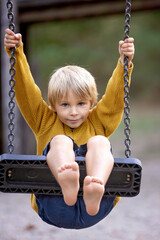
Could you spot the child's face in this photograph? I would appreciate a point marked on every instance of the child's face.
(72, 110)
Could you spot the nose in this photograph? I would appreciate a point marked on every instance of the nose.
(73, 111)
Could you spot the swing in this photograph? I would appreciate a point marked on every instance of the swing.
(30, 173)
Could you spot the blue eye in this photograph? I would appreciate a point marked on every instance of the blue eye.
(64, 104)
(81, 103)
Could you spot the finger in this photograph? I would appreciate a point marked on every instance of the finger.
(11, 41)
(129, 40)
(10, 45)
(121, 43)
(128, 53)
(130, 56)
(9, 37)
(18, 36)
(10, 32)
(128, 49)
(125, 45)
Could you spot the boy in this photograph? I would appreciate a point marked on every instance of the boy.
(72, 126)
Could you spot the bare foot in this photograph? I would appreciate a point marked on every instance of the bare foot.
(68, 178)
(93, 190)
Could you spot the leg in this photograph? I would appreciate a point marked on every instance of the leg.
(61, 161)
(99, 164)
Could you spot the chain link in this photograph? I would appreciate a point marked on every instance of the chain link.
(126, 84)
(12, 71)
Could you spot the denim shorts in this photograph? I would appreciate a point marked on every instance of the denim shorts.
(53, 210)
(79, 151)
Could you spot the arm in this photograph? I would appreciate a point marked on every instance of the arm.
(28, 95)
(109, 111)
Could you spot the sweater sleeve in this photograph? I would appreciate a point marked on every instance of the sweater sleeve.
(109, 110)
(28, 95)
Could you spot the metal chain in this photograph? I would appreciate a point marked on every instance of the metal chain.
(126, 83)
(11, 105)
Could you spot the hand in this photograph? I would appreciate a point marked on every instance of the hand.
(11, 39)
(126, 48)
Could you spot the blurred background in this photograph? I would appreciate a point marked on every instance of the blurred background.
(92, 42)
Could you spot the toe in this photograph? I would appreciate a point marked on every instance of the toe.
(87, 180)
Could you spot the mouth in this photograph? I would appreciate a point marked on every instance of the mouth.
(74, 120)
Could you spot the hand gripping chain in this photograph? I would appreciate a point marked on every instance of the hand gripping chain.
(126, 83)
(11, 105)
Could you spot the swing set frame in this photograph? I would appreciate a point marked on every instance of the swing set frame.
(30, 173)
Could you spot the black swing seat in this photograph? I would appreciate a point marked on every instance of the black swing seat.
(30, 174)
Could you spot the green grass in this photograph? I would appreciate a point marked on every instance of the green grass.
(144, 122)
(93, 44)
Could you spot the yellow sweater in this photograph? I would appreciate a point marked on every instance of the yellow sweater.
(103, 119)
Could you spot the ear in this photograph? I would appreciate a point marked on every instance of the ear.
(53, 109)
(91, 105)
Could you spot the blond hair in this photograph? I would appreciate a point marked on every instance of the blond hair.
(74, 78)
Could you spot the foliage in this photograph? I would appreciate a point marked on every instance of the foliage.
(93, 44)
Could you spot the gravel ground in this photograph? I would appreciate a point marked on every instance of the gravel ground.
(133, 218)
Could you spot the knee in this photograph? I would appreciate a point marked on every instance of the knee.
(61, 141)
(59, 144)
(98, 142)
